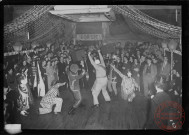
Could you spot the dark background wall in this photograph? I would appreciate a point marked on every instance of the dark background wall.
(165, 15)
(8, 14)
(13, 11)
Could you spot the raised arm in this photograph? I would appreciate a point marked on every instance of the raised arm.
(91, 60)
(101, 58)
(117, 71)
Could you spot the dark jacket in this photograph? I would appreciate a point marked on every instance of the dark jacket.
(158, 99)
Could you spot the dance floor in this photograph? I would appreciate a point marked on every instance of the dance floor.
(117, 114)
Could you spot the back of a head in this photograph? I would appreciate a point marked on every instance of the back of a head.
(160, 82)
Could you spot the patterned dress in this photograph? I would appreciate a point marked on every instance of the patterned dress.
(25, 99)
(127, 88)
(55, 74)
(136, 73)
(48, 100)
(50, 76)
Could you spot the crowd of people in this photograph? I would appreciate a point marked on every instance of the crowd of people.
(120, 73)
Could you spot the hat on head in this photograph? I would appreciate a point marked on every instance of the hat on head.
(74, 68)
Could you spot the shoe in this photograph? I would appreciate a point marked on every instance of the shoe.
(108, 101)
(55, 112)
(95, 106)
(71, 111)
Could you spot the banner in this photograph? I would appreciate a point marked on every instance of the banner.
(84, 37)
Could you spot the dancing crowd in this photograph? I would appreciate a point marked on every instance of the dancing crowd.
(120, 73)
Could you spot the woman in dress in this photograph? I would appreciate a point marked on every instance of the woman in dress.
(25, 96)
(50, 74)
(128, 85)
(44, 76)
(56, 70)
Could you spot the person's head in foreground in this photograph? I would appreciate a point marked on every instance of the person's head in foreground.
(160, 84)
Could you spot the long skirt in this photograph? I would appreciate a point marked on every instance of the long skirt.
(50, 80)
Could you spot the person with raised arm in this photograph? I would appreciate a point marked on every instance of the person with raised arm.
(51, 99)
(128, 85)
(101, 79)
(25, 98)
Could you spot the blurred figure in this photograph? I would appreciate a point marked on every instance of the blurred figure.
(74, 85)
(128, 85)
(34, 78)
(112, 81)
(50, 74)
(44, 76)
(142, 64)
(160, 97)
(165, 69)
(25, 98)
(62, 71)
(11, 78)
(149, 75)
(135, 72)
(126, 65)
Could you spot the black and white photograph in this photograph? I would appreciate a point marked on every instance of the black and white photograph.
(93, 67)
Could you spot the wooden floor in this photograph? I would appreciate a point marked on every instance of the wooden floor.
(117, 114)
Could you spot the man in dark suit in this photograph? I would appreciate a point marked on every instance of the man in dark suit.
(149, 75)
(160, 97)
(62, 72)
